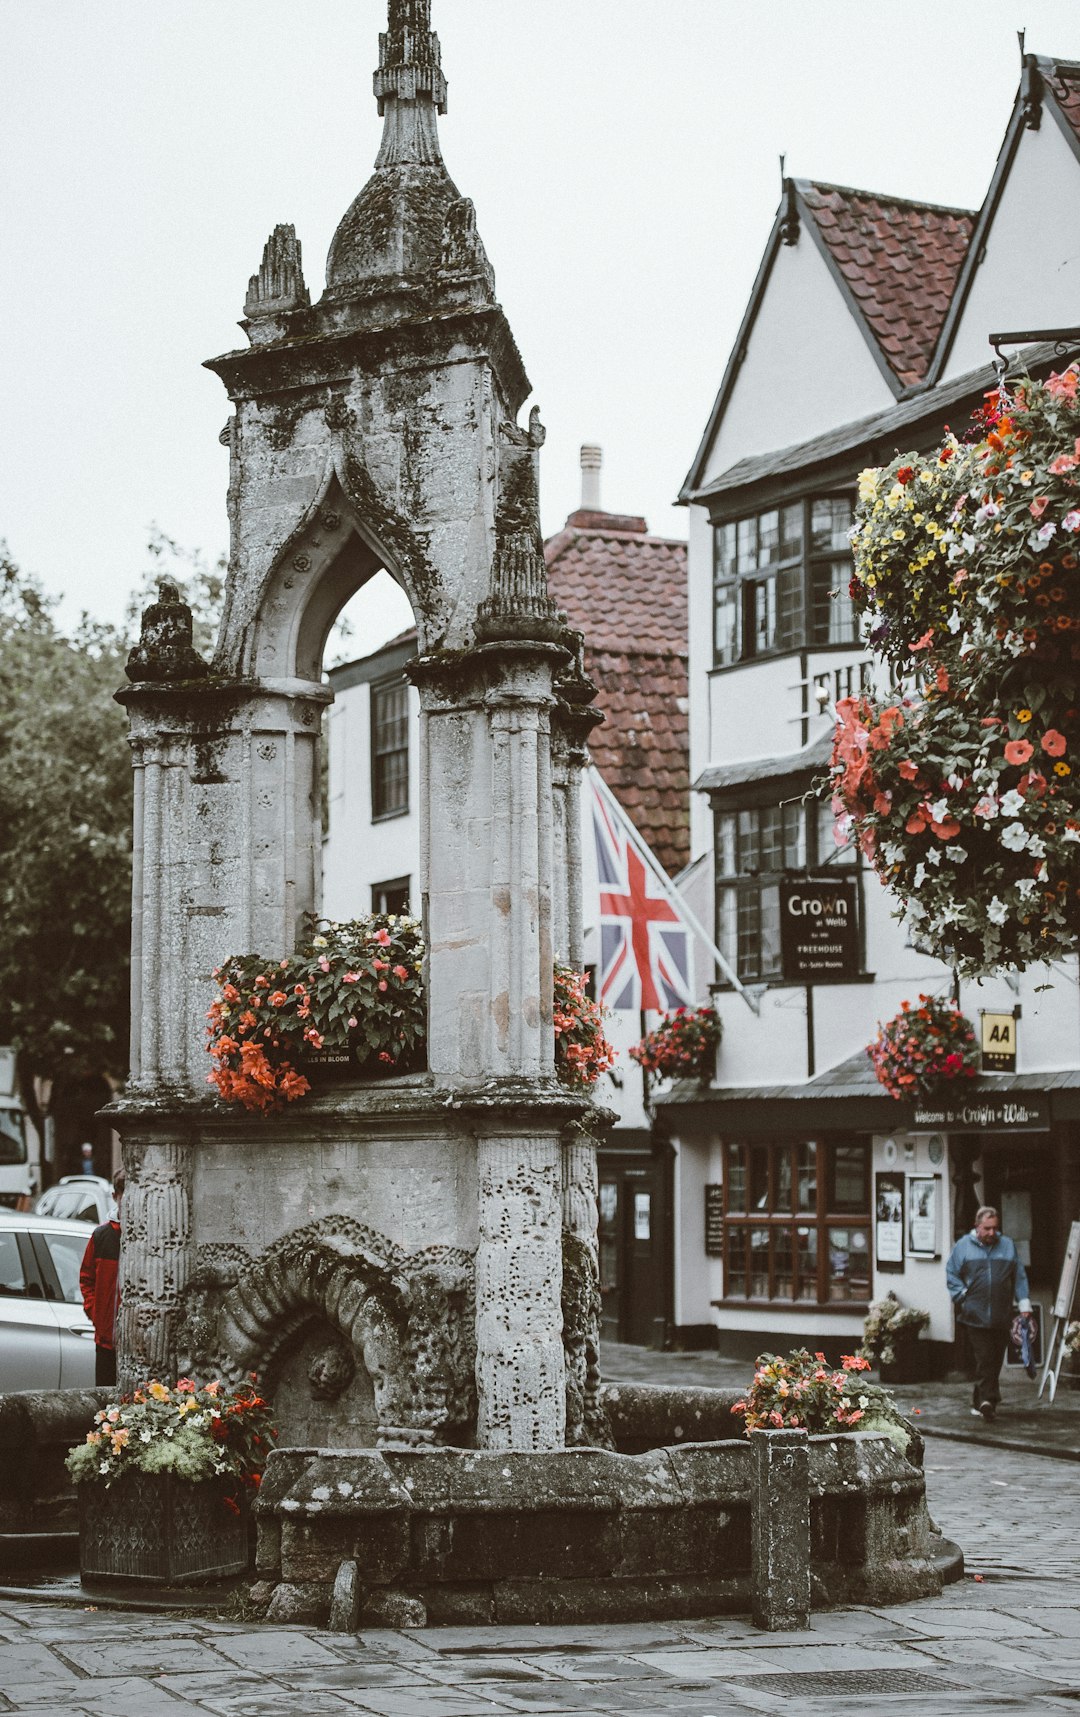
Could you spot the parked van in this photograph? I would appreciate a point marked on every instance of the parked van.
(18, 1180)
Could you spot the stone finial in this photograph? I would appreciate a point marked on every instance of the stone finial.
(165, 651)
(410, 86)
(279, 284)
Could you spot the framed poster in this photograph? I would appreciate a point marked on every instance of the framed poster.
(714, 1220)
(923, 1200)
(889, 1221)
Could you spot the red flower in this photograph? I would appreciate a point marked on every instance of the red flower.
(1054, 743)
(1019, 751)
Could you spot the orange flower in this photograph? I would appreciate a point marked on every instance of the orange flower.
(1019, 751)
(1054, 743)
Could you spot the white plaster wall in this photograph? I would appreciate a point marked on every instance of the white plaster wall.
(356, 851)
(922, 1281)
(1030, 275)
(698, 1279)
(699, 561)
(807, 364)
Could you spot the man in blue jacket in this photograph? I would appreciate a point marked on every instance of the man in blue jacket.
(985, 1277)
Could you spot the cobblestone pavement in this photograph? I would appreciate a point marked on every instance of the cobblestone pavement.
(1007, 1637)
(941, 1409)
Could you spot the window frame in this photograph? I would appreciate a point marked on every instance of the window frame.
(395, 885)
(380, 812)
(742, 587)
(822, 1219)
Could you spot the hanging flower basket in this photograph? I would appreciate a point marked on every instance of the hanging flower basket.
(923, 1048)
(349, 1001)
(582, 1052)
(682, 1046)
(964, 791)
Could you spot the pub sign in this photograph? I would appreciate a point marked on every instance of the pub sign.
(998, 1043)
(819, 930)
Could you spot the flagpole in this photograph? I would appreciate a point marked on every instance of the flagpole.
(671, 891)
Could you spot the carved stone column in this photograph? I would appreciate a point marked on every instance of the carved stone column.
(519, 1355)
(156, 1257)
(585, 1421)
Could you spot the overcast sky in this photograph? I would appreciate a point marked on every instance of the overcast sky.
(622, 155)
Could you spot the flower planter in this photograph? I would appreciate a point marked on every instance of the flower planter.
(155, 1528)
(912, 1362)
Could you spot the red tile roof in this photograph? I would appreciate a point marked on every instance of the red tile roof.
(900, 261)
(626, 591)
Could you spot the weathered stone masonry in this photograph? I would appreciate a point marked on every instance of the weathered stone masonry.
(376, 427)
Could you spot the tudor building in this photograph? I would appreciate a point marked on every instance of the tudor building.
(802, 1189)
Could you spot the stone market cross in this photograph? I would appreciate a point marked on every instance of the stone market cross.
(410, 1262)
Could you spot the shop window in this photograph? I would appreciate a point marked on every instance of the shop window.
(390, 748)
(780, 580)
(797, 1220)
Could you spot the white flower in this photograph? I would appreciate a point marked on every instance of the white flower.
(954, 621)
(988, 510)
(957, 854)
(1070, 834)
(1012, 803)
(997, 911)
(144, 1437)
(1014, 836)
(1036, 846)
(934, 856)
(1045, 532)
(103, 1467)
(1026, 887)
(1071, 521)
(918, 879)
(939, 810)
(986, 807)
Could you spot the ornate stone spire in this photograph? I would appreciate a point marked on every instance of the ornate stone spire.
(410, 86)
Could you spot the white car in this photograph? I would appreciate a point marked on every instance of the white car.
(46, 1338)
(82, 1197)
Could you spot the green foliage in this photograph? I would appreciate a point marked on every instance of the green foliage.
(65, 838)
(196, 1432)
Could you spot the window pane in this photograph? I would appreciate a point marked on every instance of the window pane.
(724, 548)
(764, 616)
(768, 539)
(746, 545)
(749, 932)
(736, 1177)
(66, 1252)
(832, 620)
(725, 844)
(727, 924)
(735, 1263)
(771, 844)
(12, 1278)
(827, 850)
(759, 1263)
(849, 1187)
(12, 1136)
(830, 522)
(806, 1256)
(806, 1176)
(769, 931)
(389, 749)
(759, 1177)
(794, 857)
(749, 855)
(791, 532)
(727, 637)
(782, 1178)
(783, 1265)
(608, 1234)
(789, 604)
(849, 1264)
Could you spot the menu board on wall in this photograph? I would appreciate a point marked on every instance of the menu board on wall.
(714, 1221)
(923, 1200)
(889, 1221)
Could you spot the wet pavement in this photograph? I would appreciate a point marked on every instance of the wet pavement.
(1005, 1638)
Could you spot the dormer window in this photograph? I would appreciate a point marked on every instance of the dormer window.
(781, 580)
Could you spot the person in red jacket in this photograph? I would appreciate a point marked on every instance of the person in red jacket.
(98, 1281)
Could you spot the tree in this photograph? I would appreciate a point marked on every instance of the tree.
(65, 842)
(65, 833)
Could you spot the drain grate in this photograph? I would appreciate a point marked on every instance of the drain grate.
(843, 1683)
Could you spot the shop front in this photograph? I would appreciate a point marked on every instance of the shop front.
(799, 1205)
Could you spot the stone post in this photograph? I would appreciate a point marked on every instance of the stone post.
(519, 1355)
(156, 1258)
(780, 1530)
(585, 1420)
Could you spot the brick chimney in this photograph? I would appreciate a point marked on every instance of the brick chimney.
(589, 516)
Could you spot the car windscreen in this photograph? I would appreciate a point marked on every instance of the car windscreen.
(12, 1136)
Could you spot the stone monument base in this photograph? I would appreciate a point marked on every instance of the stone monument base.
(456, 1536)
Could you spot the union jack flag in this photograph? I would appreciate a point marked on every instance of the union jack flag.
(644, 940)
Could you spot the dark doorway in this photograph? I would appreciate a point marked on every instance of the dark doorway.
(634, 1246)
